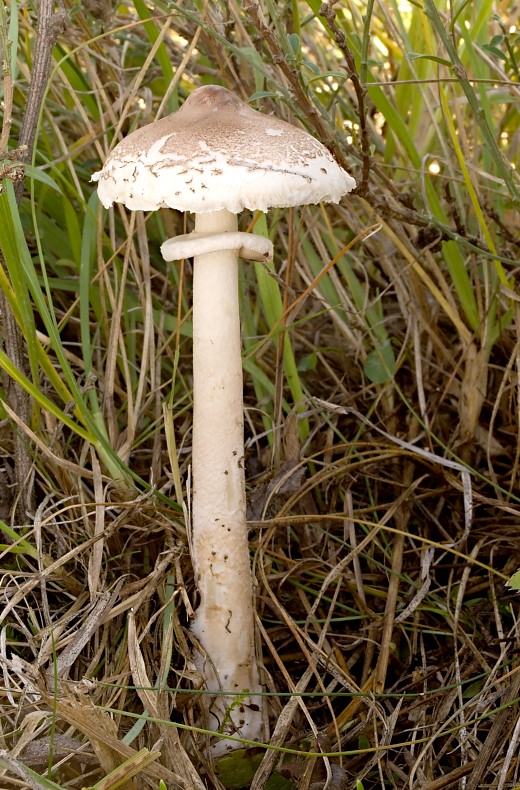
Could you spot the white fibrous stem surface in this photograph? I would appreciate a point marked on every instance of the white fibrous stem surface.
(224, 620)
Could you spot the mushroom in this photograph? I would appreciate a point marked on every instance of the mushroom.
(215, 157)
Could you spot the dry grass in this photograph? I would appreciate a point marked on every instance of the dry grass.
(381, 409)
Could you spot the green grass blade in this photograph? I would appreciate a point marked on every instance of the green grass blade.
(9, 245)
(272, 305)
(503, 167)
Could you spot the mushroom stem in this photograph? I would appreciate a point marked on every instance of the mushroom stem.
(224, 620)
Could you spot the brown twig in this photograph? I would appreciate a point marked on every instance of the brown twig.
(256, 17)
(50, 24)
(328, 13)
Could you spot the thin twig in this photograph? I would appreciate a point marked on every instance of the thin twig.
(359, 85)
(256, 17)
(50, 24)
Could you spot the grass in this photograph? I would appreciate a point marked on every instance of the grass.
(381, 391)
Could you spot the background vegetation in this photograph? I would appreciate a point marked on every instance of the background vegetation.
(382, 375)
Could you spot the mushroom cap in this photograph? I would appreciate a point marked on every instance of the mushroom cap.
(217, 153)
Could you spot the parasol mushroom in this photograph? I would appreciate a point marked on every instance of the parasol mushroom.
(215, 157)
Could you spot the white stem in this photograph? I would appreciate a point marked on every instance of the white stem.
(224, 621)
